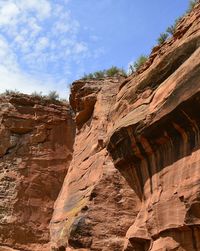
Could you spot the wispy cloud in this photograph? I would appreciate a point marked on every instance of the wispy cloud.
(13, 77)
(39, 40)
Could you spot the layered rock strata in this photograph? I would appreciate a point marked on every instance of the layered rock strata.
(155, 143)
(36, 139)
(95, 207)
(133, 182)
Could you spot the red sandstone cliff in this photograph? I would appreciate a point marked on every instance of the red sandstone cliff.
(155, 143)
(133, 180)
(36, 139)
(94, 208)
(150, 126)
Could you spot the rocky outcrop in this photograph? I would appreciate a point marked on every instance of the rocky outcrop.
(95, 206)
(133, 180)
(36, 139)
(155, 143)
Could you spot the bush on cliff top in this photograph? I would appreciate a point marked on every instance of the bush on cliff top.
(137, 64)
(162, 38)
(98, 74)
(11, 92)
(53, 95)
(192, 4)
(142, 59)
(111, 72)
(37, 94)
(172, 29)
(133, 67)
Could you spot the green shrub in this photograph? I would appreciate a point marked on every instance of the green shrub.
(162, 38)
(95, 75)
(111, 72)
(37, 94)
(114, 71)
(87, 76)
(191, 6)
(137, 64)
(99, 74)
(11, 92)
(171, 29)
(53, 95)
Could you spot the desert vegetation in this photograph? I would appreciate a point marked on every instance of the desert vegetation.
(111, 72)
(170, 31)
(192, 4)
(11, 92)
(52, 95)
(137, 64)
(162, 38)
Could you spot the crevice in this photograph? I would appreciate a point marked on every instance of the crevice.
(194, 242)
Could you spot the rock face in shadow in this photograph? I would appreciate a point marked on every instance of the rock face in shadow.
(36, 139)
(155, 143)
(95, 206)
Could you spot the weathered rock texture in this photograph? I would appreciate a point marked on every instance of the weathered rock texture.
(133, 183)
(95, 207)
(155, 143)
(36, 139)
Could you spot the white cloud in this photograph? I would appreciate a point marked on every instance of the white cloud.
(42, 8)
(13, 12)
(7, 57)
(36, 25)
(42, 44)
(8, 13)
(98, 52)
(12, 77)
(79, 48)
(39, 41)
(94, 38)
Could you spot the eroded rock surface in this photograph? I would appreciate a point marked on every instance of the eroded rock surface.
(133, 182)
(155, 143)
(36, 139)
(96, 206)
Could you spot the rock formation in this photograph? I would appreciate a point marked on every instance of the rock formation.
(36, 139)
(95, 206)
(132, 182)
(155, 143)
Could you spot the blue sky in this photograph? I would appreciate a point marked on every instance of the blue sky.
(47, 44)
